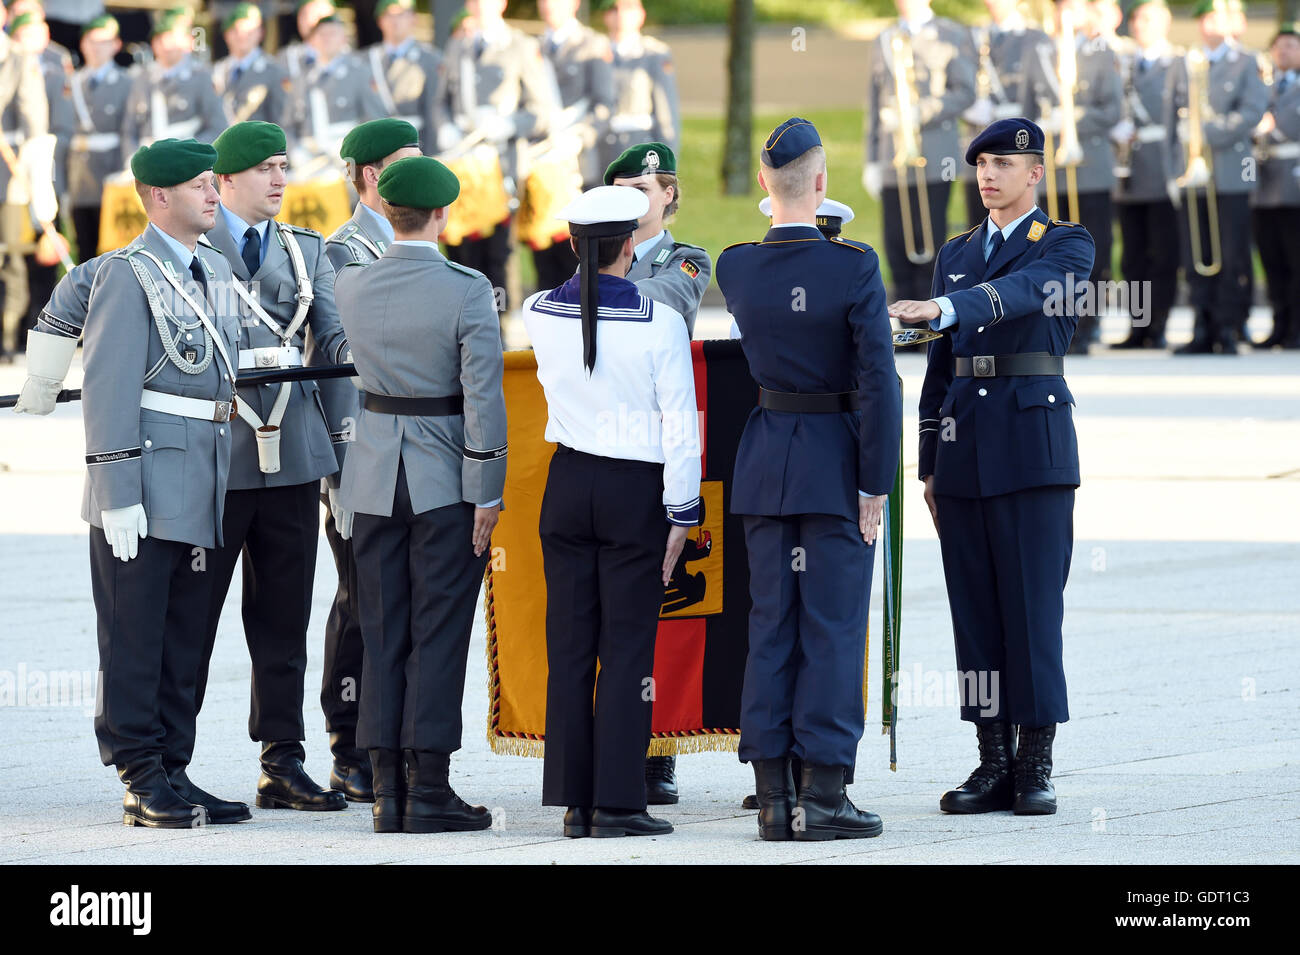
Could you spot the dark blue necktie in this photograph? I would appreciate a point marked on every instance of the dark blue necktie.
(998, 239)
(196, 270)
(252, 254)
(1283, 83)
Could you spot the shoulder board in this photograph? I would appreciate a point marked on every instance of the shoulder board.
(736, 245)
(686, 245)
(850, 243)
(463, 268)
(965, 235)
(303, 230)
(1062, 222)
(344, 232)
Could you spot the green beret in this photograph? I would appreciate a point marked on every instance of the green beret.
(170, 22)
(332, 18)
(1206, 7)
(372, 141)
(383, 6)
(23, 20)
(241, 11)
(102, 22)
(461, 16)
(171, 161)
(244, 145)
(642, 160)
(418, 182)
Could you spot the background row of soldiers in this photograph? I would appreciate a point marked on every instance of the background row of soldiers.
(573, 99)
(1133, 122)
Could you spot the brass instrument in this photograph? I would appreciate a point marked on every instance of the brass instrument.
(907, 151)
(1199, 173)
(1070, 153)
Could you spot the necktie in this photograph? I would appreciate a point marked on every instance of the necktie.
(235, 74)
(201, 280)
(1283, 83)
(998, 239)
(252, 254)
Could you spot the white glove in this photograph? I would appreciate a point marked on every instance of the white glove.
(449, 135)
(48, 360)
(342, 516)
(887, 118)
(1123, 131)
(873, 179)
(494, 126)
(980, 112)
(123, 528)
(1175, 194)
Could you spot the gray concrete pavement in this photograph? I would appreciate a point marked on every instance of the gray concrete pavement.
(1182, 653)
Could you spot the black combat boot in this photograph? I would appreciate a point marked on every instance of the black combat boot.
(1035, 794)
(991, 787)
(775, 795)
(661, 780)
(824, 810)
(151, 801)
(284, 784)
(389, 789)
(431, 805)
(351, 774)
(220, 811)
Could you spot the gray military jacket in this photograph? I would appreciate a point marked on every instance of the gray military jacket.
(674, 274)
(582, 64)
(944, 70)
(1010, 53)
(24, 110)
(1279, 151)
(349, 99)
(1144, 106)
(421, 327)
(410, 82)
(188, 107)
(646, 108)
(56, 64)
(95, 152)
(306, 451)
(175, 466)
(1238, 99)
(257, 93)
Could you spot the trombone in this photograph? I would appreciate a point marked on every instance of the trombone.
(1199, 173)
(907, 151)
(1070, 153)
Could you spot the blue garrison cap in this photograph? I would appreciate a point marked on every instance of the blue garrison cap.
(791, 140)
(1006, 137)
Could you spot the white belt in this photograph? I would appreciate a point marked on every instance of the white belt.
(1153, 133)
(273, 356)
(96, 142)
(1282, 151)
(198, 408)
(631, 122)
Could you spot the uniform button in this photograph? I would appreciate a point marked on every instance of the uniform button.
(980, 329)
(984, 392)
(1051, 397)
(148, 443)
(189, 336)
(221, 431)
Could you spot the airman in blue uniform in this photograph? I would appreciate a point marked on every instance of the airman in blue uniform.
(1000, 463)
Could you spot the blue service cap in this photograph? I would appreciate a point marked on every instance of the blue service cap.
(789, 141)
(1006, 137)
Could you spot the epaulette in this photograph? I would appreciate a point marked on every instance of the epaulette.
(1062, 222)
(965, 235)
(860, 246)
(303, 230)
(686, 245)
(735, 245)
(344, 232)
(465, 268)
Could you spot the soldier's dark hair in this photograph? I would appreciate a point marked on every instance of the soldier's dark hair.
(406, 219)
(607, 249)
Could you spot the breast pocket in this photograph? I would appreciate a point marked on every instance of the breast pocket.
(1047, 426)
(162, 468)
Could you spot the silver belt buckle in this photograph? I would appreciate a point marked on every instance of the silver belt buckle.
(269, 358)
(221, 411)
(984, 366)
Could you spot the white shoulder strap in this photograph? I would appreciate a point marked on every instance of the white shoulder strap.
(381, 80)
(305, 293)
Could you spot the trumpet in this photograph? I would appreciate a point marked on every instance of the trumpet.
(907, 151)
(1199, 173)
(1070, 153)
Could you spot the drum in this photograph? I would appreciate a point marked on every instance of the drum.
(121, 217)
(483, 203)
(550, 186)
(321, 203)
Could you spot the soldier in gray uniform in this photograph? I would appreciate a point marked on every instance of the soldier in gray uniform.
(424, 482)
(250, 83)
(1276, 200)
(1234, 99)
(173, 97)
(335, 93)
(1147, 217)
(406, 73)
(1098, 94)
(99, 91)
(937, 74)
(24, 113)
(362, 239)
(282, 449)
(160, 362)
(500, 91)
(646, 104)
(298, 57)
(1004, 48)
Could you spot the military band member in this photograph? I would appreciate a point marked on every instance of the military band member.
(363, 238)
(500, 91)
(646, 104)
(98, 91)
(299, 57)
(1005, 49)
(282, 449)
(173, 97)
(915, 140)
(1000, 463)
(614, 515)
(251, 84)
(160, 362)
(334, 94)
(424, 482)
(1147, 217)
(406, 73)
(815, 461)
(1098, 93)
(1276, 200)
(1233, 100)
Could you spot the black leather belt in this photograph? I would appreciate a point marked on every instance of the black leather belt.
(1007, 366)
(423, 407)
(807, 404)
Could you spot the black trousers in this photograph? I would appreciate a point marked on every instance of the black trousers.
(603, 538)
(274, 529)
(1096, 214)
(555, 265)
(489, 257)
(1148, 256)
(913, 280)
(85, 226)
(1221, 301)
(149, 648)
(418, 586)
(344, 650)
(1278, 239)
